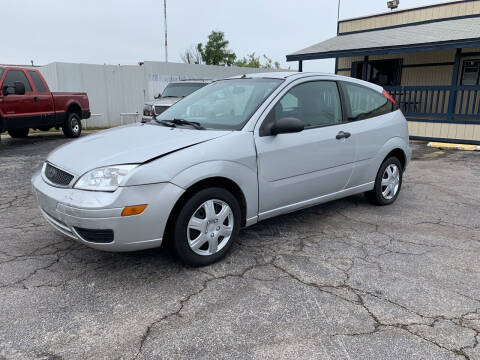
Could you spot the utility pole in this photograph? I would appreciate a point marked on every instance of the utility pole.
(338, 12)
(165, 20)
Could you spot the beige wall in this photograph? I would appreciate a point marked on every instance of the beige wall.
(434, 75)
(445, 131)
(441, 10)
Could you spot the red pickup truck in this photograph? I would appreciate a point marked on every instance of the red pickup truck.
(27, 103)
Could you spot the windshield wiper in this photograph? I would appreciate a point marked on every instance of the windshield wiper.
(161, 122)
(194, 124)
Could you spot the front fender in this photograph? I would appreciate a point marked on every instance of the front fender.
(240, 174)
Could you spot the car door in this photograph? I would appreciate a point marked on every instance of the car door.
(19, 110)
(44, 109)
(298, 169)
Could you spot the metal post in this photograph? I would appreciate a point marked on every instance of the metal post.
(453, 94)
(365, 68)
(165, 20)
(300, 65)
(338, 30)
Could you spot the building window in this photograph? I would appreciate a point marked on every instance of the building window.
(381, 72)
(470, 72)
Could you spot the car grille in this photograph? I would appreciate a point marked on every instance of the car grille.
(95, 235)
(57, 176)
(160, 109)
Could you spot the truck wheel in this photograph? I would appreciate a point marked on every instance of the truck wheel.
(72, 128)
(18, 133)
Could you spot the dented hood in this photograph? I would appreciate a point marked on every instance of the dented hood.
(132, 144)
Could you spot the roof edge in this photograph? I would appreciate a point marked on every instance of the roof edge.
(395, 49)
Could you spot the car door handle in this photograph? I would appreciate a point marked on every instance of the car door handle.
(35, 99)
(343, 135)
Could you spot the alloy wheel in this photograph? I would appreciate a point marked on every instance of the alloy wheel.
(210, 227)
(390, 181)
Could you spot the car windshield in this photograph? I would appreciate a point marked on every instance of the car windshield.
(181, 90)
(1, 72)
(226, 104)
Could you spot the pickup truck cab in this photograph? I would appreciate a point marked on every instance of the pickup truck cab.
(27, 103)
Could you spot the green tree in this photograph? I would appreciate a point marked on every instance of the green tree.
(254, 61)
(215, 51)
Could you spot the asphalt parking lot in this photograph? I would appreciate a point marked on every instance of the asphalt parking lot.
(344, 280)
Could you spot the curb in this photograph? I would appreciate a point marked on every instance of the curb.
(465, 147)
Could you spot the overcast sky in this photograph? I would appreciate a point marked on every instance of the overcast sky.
(129, 31)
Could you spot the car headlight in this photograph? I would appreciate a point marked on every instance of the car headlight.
(107, 178)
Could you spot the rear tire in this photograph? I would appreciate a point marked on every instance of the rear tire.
(18, 133)
(72, 128)
(216, 213)
(387, 183)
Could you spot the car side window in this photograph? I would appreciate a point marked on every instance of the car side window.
(16, 75)
(315, 103)
(365, 103)
(37, 81)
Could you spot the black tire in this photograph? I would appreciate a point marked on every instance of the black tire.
(179, 234)
(376, 196)
(18, 133)
(72, 128)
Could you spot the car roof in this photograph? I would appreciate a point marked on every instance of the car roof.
(192, 81)
(267, 75)
(17, 67)
(291, 76)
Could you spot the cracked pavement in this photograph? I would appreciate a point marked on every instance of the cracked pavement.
(343, 280)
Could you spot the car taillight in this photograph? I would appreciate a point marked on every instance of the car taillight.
(389, 97)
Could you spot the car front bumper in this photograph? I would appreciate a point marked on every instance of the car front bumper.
(68, 210)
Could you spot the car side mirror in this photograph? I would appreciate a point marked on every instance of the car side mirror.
(158, 96)
(287, 125)
(19, 88)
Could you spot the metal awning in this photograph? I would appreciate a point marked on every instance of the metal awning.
(446, 34)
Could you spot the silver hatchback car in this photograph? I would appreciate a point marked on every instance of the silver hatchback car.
(231, 154)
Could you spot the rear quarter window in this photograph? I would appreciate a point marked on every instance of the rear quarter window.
(365, 103)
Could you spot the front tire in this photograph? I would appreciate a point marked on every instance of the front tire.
(387, 183)
(206, 226)
(18, 133)
(72, 128)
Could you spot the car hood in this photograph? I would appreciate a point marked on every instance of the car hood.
(168, 101)
(131, 144)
